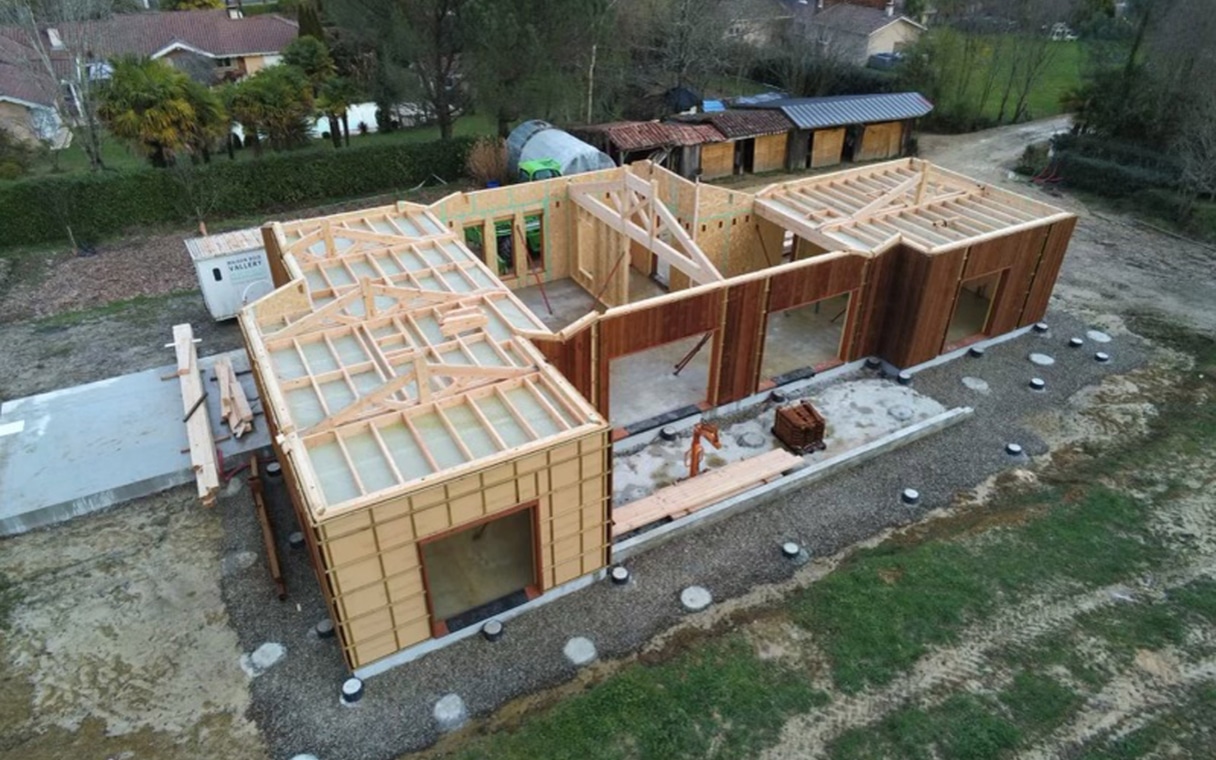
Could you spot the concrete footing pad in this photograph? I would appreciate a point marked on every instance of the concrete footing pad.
(450, 713)
(696, 598)
(580, 650)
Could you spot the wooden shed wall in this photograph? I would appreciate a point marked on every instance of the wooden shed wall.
(770, 153)
(370, 558)
(885, 140)
(717, 160)
(827, 147)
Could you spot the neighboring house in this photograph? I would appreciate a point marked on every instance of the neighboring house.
(221, 43)
(853, 33)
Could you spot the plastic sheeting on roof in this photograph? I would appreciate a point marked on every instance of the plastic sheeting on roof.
(757, 99)
(538, 139)
(817, 113)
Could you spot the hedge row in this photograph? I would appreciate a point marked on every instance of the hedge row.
(97, 205)
(1109, 178)
(1115, 151)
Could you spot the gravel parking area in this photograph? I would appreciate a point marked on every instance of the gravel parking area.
(296, 702)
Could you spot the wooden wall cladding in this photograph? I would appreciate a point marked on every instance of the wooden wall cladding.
(884, 140)
(370, 557)
(1048, 270)
(827, 147)
(742, 340)
(1017, 256)
(573, 357)
(919, 312)
(875, 301)
(770, 153)
(815, 282)
(661, 323)
(717, 160)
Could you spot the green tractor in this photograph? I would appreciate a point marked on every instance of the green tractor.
(540, 168)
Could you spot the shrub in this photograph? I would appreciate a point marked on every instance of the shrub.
(488, 161)
(1033, 159)
(96, 205)
(1108, 178)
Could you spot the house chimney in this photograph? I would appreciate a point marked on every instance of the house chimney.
(890, 8)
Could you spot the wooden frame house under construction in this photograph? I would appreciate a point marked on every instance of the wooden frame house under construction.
(448, 453)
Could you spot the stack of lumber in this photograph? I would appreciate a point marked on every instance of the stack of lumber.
(705, 490)
(234, 405)
(198, 426)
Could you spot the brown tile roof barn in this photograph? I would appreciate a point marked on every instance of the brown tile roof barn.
(742, 124)
(642, 135)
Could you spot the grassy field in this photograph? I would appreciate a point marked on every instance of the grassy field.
(119, 155)
(1014, 603)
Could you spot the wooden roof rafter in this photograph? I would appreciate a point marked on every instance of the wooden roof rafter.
(632, 195)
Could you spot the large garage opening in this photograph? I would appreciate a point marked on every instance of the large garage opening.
(973, 309)
(478, 572)
(804, 339)
(651, 383)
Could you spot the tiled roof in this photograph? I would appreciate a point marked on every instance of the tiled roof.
(643, 135)
(18, 84)
(841, 110)
(211, 31)
(739, 124)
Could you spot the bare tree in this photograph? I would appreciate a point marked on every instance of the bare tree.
(61, 41)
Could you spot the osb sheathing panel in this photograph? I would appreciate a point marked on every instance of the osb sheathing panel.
(770, 244)
(916, 322)
(816, 282)
(742, 338)
(717, 160)
(770, 153)
(880, 141)
(482, 208)
(1048, 270)
(371, 557)
(827, 147)
(602, 266)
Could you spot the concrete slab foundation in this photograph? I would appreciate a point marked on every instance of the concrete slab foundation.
(77, 450)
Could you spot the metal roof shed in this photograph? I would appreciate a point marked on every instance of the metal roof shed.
(845, 110)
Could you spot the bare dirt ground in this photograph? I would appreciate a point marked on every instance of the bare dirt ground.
(115, 642)
(67, 319)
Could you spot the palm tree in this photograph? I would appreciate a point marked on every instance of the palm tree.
(156, 107)
(335, 99)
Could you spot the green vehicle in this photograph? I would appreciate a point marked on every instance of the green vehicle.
(504, 243)
(540, 168)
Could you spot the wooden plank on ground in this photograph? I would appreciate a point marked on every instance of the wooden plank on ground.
(234, 404)
(702, 491)
(198, 425)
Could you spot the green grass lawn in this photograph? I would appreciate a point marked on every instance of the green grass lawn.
(119, 155)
